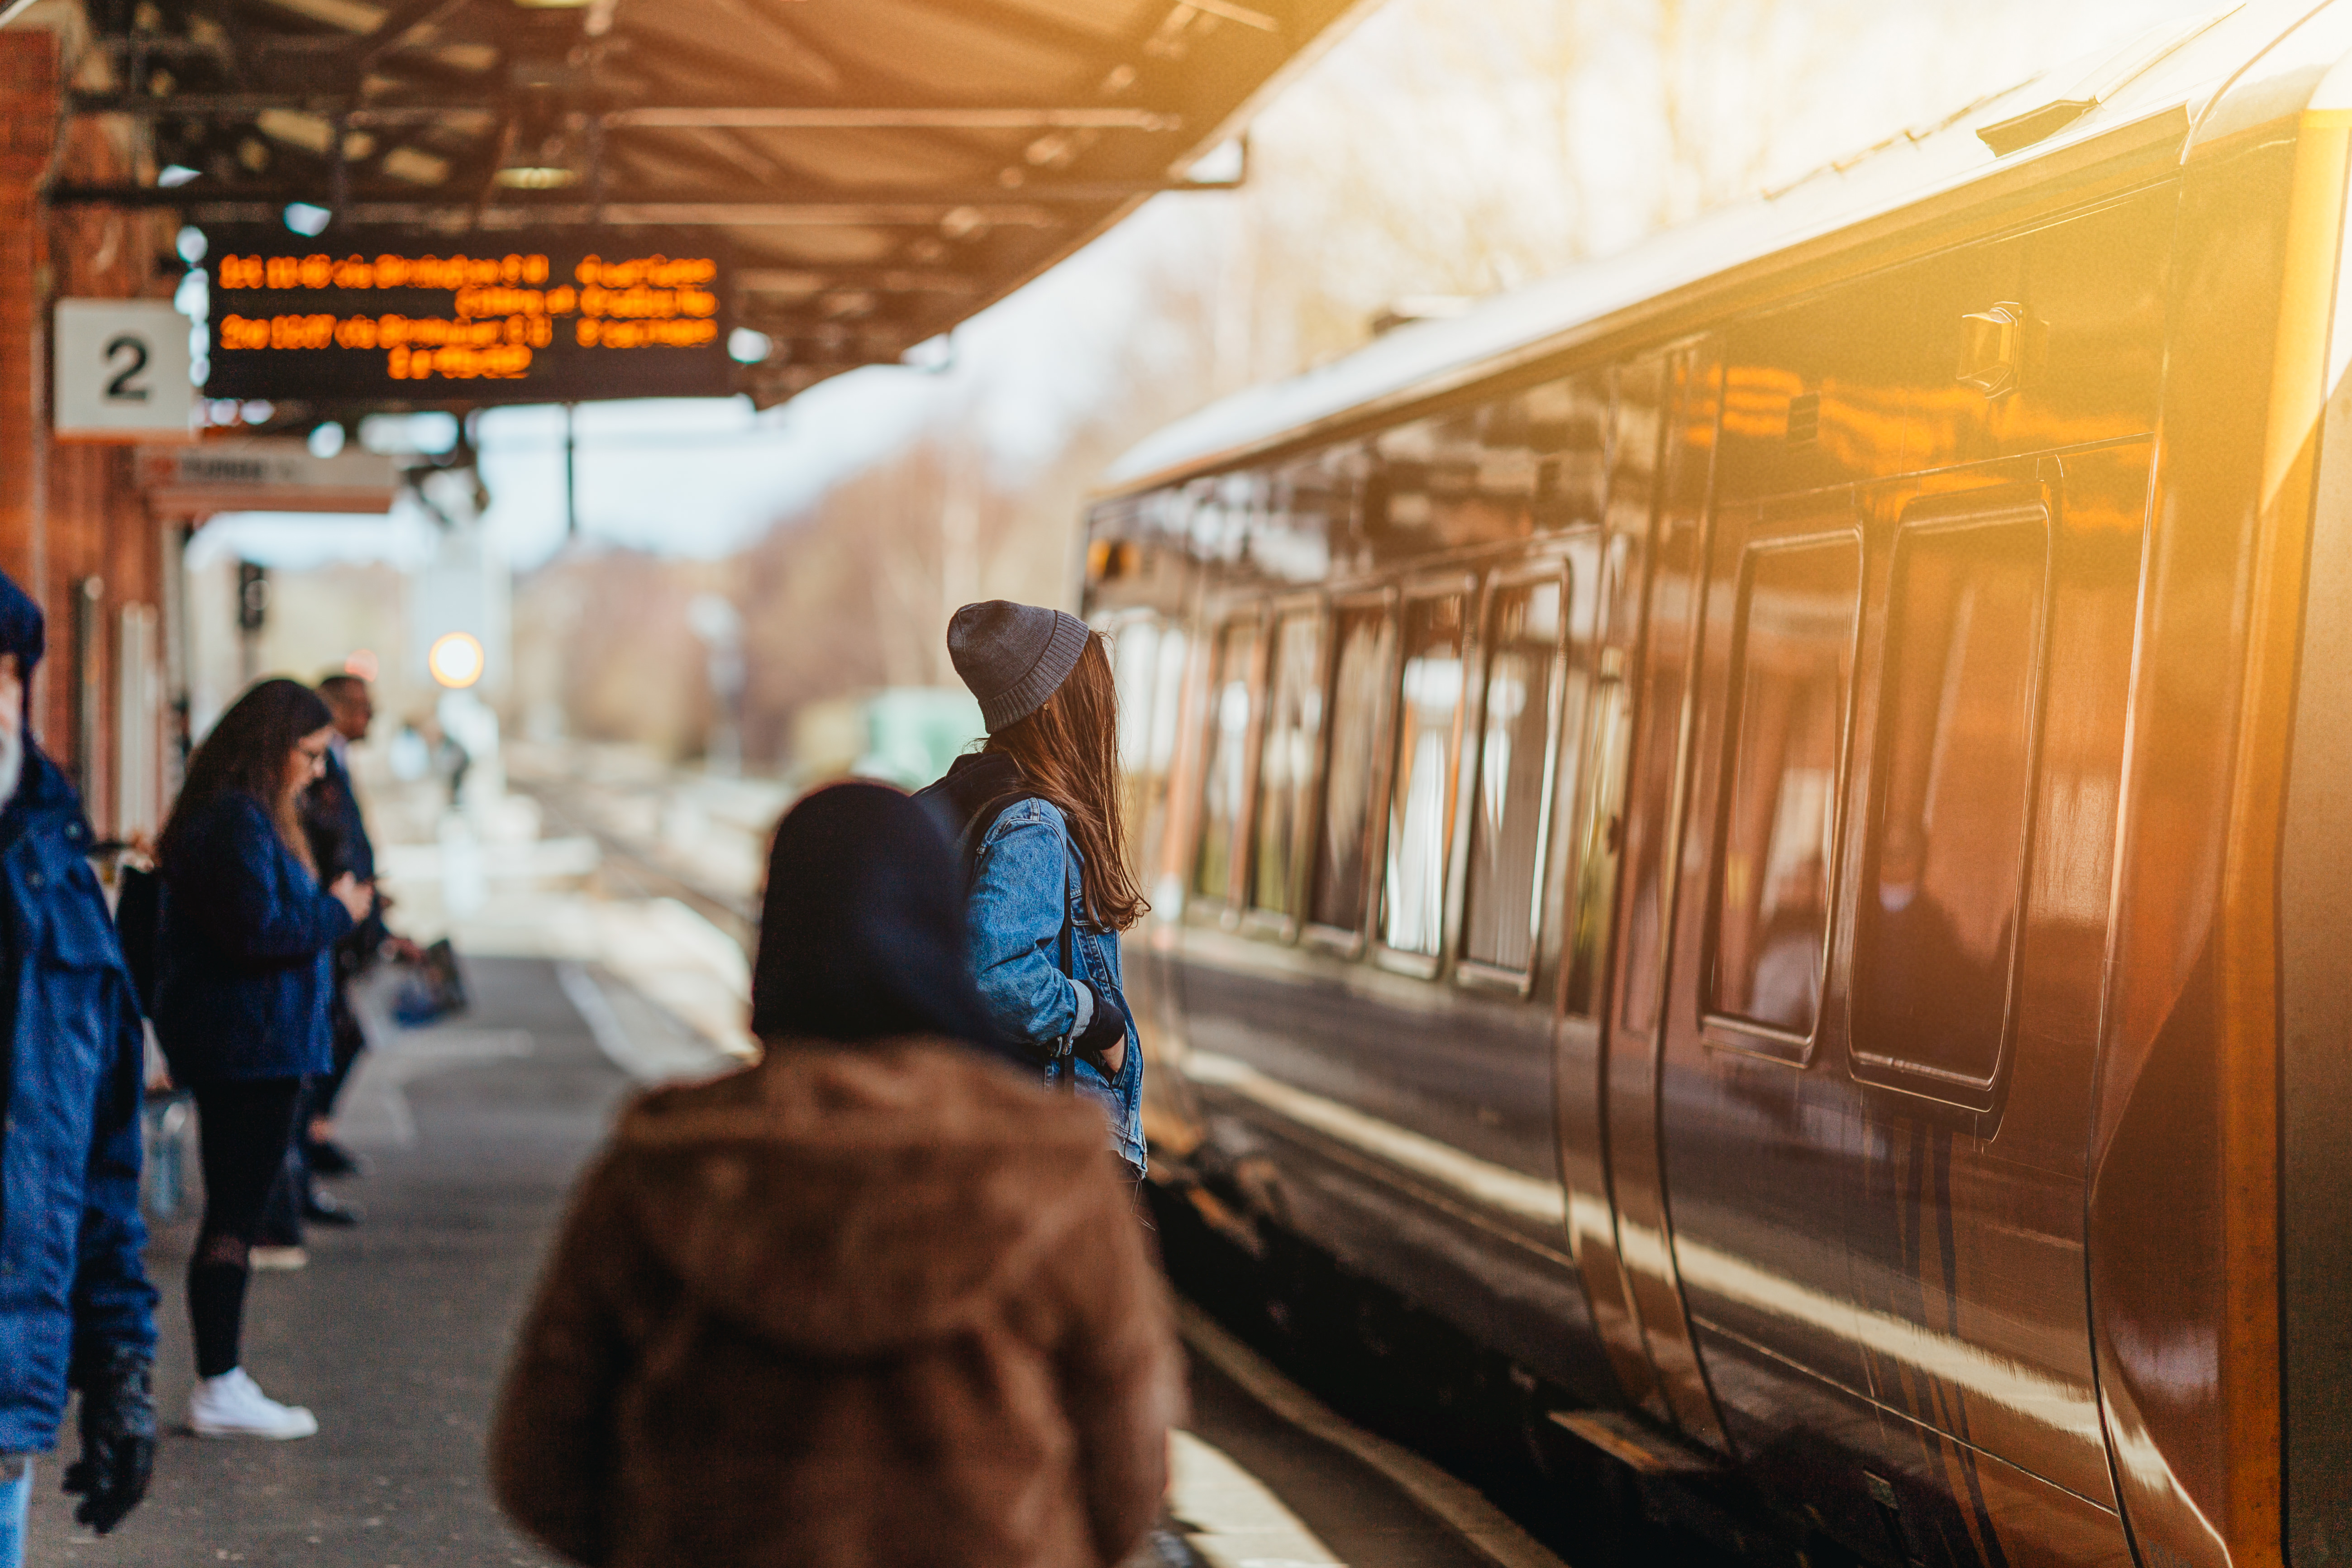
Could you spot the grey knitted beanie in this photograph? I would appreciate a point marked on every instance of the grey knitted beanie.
(1013, 657)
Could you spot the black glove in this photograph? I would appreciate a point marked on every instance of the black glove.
(118, 1439)
(1105, 1036)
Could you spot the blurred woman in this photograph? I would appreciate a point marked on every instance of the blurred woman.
(875, 1301)
(1045, 852)
(242, 986)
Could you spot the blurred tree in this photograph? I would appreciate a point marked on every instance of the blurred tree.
(611, 650)
(1439, 150)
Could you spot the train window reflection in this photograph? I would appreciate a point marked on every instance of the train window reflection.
(1947, 844)
(1611, 741)
(1794, 666)
(1147, 668)
(1507, 816)
(1294, 728)
(1360, 720)
(1428, 756)
(1226, 765)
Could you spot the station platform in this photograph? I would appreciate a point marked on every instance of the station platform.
(397, 1333)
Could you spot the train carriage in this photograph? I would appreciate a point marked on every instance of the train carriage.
(1764, 826)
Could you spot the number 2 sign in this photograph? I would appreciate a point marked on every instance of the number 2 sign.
(121, 371)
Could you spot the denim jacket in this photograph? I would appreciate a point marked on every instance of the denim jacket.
(1027, 878)
(72, 1289)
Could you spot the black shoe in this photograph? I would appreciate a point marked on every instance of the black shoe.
(325, 1209)
(328, 1158)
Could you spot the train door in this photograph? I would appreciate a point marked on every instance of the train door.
(1761, 1128)
(1150, 654)
(1636, 439)
(1877, 1156)
(1676, 1386)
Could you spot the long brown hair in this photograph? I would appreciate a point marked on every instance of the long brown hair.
(247, 755)
(1068, 753)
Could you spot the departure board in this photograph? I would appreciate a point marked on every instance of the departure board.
(390, 316)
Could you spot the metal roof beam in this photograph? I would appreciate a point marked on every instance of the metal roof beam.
(395, 29)
(990, 200)
(813, 280)
(1031, 26)
(841, 117)
(990, 211)
(979, 117)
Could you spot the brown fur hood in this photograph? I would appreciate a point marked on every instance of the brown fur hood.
(847, 1202)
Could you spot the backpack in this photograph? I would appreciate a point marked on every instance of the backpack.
(138, 920)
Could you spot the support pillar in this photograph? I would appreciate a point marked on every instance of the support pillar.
(29, 120)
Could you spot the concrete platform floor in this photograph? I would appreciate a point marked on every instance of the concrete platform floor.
(397, 1333)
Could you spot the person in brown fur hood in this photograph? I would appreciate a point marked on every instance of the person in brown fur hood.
(875, 1301)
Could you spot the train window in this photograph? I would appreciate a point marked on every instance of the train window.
(1508, 819)
(1147, 668)
(1793, 665)
(1293, 731)
(1428, 767)
(1365, 650)
(1943, 865)
(1226, 766)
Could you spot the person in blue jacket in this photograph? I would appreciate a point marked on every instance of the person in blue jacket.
(243, 977)
(1038, 815)
(76, 1308)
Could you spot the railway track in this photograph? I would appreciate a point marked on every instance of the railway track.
(632, 868)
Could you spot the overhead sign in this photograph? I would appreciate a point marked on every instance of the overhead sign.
(376, 316)
(265, 474)
(121, 370)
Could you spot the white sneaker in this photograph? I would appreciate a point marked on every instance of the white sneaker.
(275, 1259)
(232, 1406)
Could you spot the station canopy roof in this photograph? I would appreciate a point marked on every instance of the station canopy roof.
(880, 170)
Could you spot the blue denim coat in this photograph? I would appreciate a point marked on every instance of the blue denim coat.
(71, 1285)
(1028, 875)
(243, 974)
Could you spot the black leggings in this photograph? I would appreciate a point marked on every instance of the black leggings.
(244, 1128)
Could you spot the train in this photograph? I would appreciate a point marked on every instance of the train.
(1764, 828)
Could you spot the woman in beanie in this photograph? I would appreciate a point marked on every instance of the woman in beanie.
(1037, 813)
(875, 1301)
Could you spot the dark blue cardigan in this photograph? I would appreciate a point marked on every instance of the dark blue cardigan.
(243, 975)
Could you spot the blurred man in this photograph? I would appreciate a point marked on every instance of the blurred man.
(339, 843)
(76, 1308)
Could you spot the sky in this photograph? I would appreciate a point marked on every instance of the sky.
(704, 477)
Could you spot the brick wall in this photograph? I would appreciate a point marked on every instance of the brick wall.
(70, 514)
(28, 108)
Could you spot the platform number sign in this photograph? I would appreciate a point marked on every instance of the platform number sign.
(121, 371)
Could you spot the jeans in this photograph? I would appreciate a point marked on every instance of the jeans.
(15, 1498)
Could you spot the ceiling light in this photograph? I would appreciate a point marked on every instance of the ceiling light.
(172, 175)
(536, 177)
(415, 168)
(745, 346)
(307, 220)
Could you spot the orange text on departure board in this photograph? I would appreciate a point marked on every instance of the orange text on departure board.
(503, 307)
